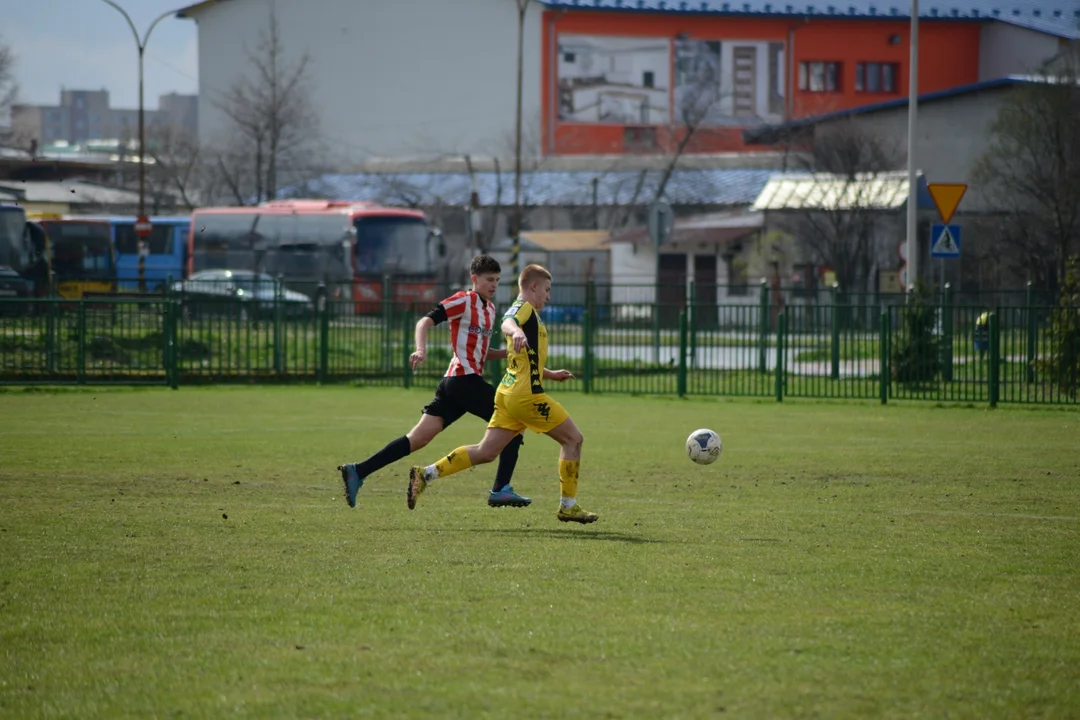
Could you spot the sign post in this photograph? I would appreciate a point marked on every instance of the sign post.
(143, 228)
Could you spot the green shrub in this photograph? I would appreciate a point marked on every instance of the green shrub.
(915, 356)
(1063, 362)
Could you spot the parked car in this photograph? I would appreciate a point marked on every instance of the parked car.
(13, 285)
(243, 292)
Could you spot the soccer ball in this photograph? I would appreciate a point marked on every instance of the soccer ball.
(703, 446)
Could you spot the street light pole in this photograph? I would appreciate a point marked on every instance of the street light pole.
(515, 252)
(913, 191)
(141, 44)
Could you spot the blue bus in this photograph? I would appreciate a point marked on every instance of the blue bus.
(167, 250)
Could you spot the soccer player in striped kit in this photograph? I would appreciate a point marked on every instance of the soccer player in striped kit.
(471, 315)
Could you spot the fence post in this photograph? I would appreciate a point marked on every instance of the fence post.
(167, 345)
(387, 321)
(781, 332)
(278, 302)
(656, 321)
(587, 329)
(946, 346)
(681, 381)
(692, 320)
(1031, 333)
(763, 328)
(405, 342)
(50, 331)
(175, 312)
(322, 310)
(80, 334)
(995, 359)
(884, 333)
(834, 365)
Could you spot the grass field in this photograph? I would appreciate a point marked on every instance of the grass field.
(189, 554)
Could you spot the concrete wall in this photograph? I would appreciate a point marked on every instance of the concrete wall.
(408, 77)
(1011, 50)
(952, 135)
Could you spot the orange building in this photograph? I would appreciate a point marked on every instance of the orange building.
(635, 75)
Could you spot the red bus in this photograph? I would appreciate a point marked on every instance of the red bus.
(350, 247)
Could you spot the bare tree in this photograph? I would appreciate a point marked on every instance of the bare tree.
(273, 125)
(840, 226)
(1032, 170)
(698, 98)
(173, 180)
(9, 89)
(769, 254)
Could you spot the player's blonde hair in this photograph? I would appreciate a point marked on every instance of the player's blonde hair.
(532, 274)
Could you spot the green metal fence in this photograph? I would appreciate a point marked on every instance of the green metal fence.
(947, 351)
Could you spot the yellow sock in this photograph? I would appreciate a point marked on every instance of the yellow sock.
(454, 462)
(568, 473)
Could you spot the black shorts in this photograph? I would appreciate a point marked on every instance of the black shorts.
(462, 394)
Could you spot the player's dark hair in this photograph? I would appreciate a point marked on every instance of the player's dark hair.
(482, 264)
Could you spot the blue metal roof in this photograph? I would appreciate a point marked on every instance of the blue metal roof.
(1054, 17)
(538, 188)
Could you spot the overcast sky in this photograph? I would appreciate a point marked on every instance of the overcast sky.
(87, 45)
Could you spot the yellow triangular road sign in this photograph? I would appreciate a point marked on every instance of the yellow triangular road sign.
(946, 198)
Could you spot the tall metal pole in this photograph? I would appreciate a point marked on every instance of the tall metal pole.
(140, 43)
(515, 253)
(142, 150)
(913, 191)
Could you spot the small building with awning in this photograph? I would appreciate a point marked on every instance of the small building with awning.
(574, 257)
(837, 227)
(701, 256)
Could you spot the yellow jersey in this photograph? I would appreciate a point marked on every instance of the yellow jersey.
(525, 369)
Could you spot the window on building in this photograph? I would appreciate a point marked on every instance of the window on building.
(569, 58)
(872, 77)
(648, 79)
(639, 138)
(888, 77)
(819, 76)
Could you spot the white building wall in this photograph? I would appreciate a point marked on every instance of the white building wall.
(1011, 50)
(952, 135)
(401, 78)
(633, 265)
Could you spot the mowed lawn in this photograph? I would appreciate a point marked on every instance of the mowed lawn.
(189, 554)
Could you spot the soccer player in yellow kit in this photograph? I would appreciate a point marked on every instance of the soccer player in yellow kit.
(520, 402)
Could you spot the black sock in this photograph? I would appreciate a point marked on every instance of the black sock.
(394, 451)
(507, 461)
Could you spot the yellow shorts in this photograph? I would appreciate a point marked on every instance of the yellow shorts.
(515, 412)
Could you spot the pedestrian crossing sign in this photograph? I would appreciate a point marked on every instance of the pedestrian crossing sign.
(944, 241)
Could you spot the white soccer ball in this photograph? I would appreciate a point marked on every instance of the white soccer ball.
(703, 446)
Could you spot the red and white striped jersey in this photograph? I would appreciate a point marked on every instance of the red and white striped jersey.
(472, 321)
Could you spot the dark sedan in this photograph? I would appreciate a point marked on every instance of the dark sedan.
(242, 292)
